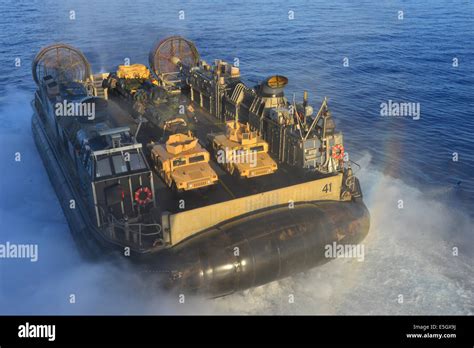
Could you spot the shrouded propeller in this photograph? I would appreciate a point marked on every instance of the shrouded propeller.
(169, 55)
(62, 62)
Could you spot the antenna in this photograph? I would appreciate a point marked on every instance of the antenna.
(140, 122)
(295, 112)
(305, 104)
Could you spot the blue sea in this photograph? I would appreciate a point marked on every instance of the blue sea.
(359, 54)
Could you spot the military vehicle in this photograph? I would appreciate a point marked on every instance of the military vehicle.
(182, 163)
(242, 233)
(242, 152)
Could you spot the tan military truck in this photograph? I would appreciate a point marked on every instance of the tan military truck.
(242, 152)
(182, 163)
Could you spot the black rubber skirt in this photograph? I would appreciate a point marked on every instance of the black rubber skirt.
(263, 247)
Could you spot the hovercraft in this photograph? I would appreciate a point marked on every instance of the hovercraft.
(186, 170)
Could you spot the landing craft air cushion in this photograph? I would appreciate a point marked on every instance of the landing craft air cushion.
(230, 235)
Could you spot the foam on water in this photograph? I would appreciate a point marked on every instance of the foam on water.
(408, 252)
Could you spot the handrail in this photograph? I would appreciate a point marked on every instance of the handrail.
(129, 227)
(139, 224)
(316, 119)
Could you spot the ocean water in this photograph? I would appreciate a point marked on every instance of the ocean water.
(409, 251)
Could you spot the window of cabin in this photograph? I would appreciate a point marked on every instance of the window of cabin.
(137, 162)
(240, 152)
(119, 164)
(196, 159)
(179, 162)
(257, 148)
(102, 168)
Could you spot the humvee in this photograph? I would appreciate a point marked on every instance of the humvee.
(183, 163)
(242, 152)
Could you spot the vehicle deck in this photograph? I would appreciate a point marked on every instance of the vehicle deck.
(228, 187)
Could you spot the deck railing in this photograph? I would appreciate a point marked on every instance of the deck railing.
(137, 235)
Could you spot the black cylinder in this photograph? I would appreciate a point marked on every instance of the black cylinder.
(264, 246)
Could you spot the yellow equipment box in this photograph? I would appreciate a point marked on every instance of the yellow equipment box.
(135, 71)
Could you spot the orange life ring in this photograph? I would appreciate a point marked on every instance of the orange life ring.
(338, 152)
(143, 195)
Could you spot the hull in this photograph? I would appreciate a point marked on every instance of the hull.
(244, 252)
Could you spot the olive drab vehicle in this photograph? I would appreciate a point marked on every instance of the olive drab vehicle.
(119, 144)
